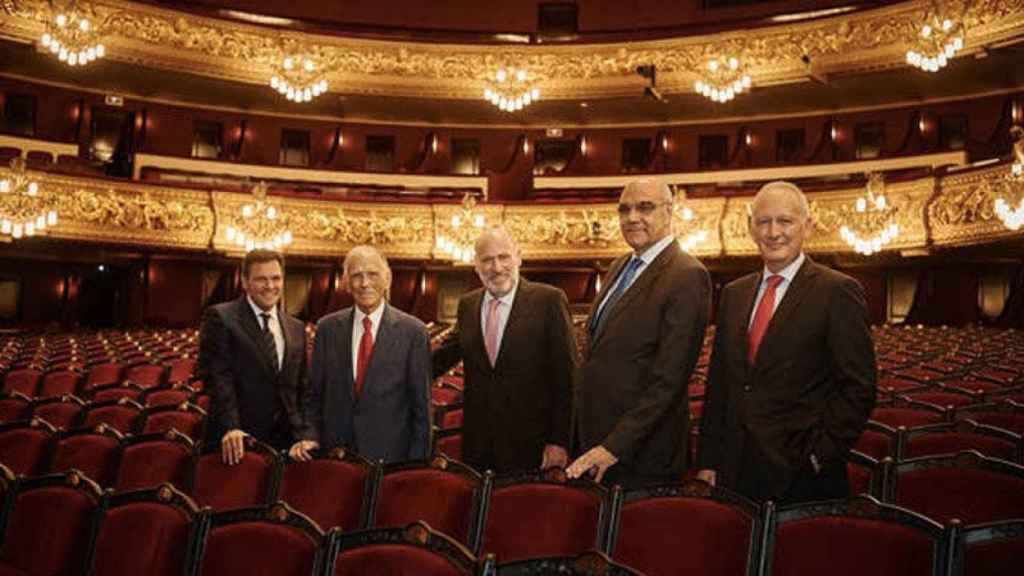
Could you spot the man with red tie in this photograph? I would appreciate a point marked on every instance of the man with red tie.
(369, 386)
(792, 376)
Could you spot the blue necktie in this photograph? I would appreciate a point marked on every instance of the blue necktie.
(625, 279)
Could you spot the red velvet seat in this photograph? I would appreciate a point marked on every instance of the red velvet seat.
(104, 374)
(954, 437)
(586, 564)
(877, 440)
(156, 532)
(1002, 413)
(25, 446)
(59, 383)
(865, 474)
(25, 381)
(413, 550)
(64, 412)
(181, 370)
(895, 417)
(14, 406)
(167, 396)
(251, 482)
(447, 495)
(116, 392)
(966, 486)
(853, 538)
(92, 452)
(263, 540)
(445, 394)
(146, 375)
(122, 414)
(520, 523)
(189, 419)
(450, 418)
(71, 505)
(716, 531)
(336, 490)
(990, 549)
(149, 460)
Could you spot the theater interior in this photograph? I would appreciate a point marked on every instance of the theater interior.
(146, 146)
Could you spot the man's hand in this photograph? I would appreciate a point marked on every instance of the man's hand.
(595, 461)
(709, 476)
(301, 450)
(554, 457)
(232, 446)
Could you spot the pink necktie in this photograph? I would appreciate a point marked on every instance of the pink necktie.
(491, 330)
(761, 318)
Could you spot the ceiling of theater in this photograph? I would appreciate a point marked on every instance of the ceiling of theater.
(855, 62)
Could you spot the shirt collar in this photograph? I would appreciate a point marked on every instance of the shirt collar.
(507, 299)
(648, 256)
(789, 272)
(375, 316)
(258, 311)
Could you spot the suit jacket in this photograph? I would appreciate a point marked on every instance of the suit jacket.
(632, 397)
(390, 420)
(513, 409)
(246, 390)
(810, 389)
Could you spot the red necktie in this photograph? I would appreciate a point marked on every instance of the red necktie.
(761, 318)
(363, 357)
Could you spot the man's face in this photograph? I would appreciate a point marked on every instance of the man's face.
(778, 228)
(367, 279)
(497, 265)
(263, 284)
(645, 215)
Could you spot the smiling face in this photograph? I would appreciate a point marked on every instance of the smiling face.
(778, 224)
(497, 262)
(263, 283)
(367, 278)
(645, 214)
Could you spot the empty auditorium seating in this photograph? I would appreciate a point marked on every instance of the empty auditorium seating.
(716, 531)
(954, 437)
(989, 549)
(585, 564)
(25, 381)
(413, 550)
(64, 412)
(121, 414)
(25, 446)
(335, 490)
(145, 375)
(251, 482)
(866, 474)
(59, 383)
(94, 452)
(1003, 413)
(259, 539)
(148, 460)
(187, 418)
(14, 406)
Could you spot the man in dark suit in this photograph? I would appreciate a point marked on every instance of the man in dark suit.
(519, 353)
(792, 377)
(646, 329)
(369, 384)
(252, 358)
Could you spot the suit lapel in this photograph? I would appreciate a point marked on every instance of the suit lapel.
(742, 322)
(247, 319)
(519, 305)
(382, 344)
(640, 286)
(343, 346)
(474, 334)
(790, 300)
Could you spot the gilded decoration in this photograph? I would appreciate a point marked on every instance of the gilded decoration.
(964, 209)
(559, 232)
(865, 39)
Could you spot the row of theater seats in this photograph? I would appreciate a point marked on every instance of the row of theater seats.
(539, 524)
(43, 160)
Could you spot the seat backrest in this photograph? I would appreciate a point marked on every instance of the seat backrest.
(149, 460)
(25, 447)
(103, 375)
(520, 524)
(411, 550)
(121, 414)
(895, 417)
(64, 412)
(146, 375)
(167, 396)
(248, 541)
(13, 406)
(448, 443)
(59, 383)
(989, 549)
(25, 381)
(449, 496)
(187, 418)
(586, 564)
(954, 437)
(336, 490)
(94, 452)
(156, 532)
(966, 486)
(72, 506)
(852, 537)
(251, 482)
(181, 370)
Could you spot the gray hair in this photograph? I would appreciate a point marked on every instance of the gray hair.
(793, 189)
(495, 232)
(364, 250)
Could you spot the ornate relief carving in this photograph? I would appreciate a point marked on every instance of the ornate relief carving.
(964, 205)
(585, 228)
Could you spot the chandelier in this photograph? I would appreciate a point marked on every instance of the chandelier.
(723, 79)
(511, 89)
(72, 37)
(22, 211)
(456, 241)
(298, 78)
(935, 44)
(871, 224)
(689, 235)
(1010, 209)
(259, 226)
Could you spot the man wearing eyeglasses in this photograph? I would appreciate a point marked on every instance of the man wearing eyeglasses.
(645, 331)
(252, 358)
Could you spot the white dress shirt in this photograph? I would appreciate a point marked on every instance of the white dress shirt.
(504, 309)
(275, 327)
(357, 332)
(646, 257)
(787, 273)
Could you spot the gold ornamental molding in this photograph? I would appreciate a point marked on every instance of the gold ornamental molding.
(860, 41)
(956, 209)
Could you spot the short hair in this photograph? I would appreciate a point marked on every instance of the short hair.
(259, 257)
(495, 232)
(660, 185)
(793, 189)
(363, 250)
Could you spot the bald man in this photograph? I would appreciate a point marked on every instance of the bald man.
(792, 376)
(369, 388)
(645, 329)
(520, 357)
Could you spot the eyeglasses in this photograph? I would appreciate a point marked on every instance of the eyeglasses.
(643, 208)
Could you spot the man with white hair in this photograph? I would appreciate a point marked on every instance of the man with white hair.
(792, 376)
(369, 384)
